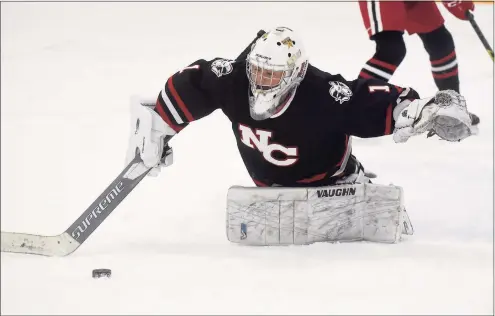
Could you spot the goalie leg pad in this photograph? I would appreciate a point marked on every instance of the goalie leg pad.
(283, 216)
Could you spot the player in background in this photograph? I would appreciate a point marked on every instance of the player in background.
(386, 22)
(292, 121)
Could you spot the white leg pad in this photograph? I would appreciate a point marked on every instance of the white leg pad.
(282, 216)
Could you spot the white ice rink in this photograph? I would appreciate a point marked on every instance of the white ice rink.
(67, 72)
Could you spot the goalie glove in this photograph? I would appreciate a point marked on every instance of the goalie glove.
(445, 114)
(475, 120)
(149, 135)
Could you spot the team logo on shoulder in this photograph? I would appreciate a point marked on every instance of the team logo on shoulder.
(339, 91)
(222, 67)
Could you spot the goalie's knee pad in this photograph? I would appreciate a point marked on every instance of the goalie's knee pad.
(281, 216)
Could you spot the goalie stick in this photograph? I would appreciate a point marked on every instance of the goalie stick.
(67, 242)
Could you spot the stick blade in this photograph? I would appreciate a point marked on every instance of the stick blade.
(60, 245)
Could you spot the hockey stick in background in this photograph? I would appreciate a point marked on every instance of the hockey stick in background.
(477, 29)
(246, 51)
(67, 242)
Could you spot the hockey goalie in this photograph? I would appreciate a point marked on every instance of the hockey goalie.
(293, 124)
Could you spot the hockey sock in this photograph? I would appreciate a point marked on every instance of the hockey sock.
(390, 51)
(440, 46)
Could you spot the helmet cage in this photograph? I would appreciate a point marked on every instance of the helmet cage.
(268, 97)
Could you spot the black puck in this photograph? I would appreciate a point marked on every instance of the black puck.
(102, 273)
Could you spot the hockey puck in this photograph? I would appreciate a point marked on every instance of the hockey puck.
(102, 273)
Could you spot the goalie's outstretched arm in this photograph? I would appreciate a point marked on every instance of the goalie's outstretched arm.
(376, 109)
(188, 95)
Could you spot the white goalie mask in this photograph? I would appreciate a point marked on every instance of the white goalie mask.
(275, 66)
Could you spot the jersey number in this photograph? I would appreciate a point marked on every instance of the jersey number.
(379, 88)
(190, 67)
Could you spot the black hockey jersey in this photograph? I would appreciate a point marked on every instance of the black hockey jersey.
(305, 146)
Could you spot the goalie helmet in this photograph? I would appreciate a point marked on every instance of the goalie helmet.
(275, 66)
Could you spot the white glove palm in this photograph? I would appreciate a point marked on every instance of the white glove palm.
(446, 114)
(147, 135)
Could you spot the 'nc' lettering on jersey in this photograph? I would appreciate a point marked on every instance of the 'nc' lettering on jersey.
(260, 140)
